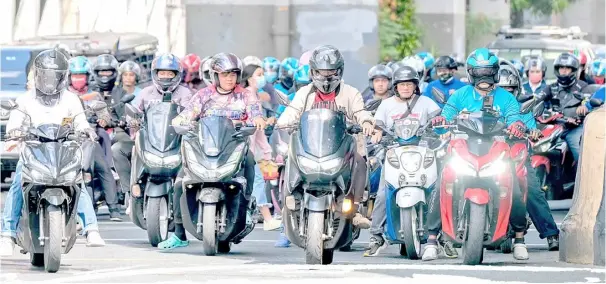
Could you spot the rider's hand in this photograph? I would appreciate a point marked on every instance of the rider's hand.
(517, 129)
(259, 123)
(376, 138)
(271, 120)
(535, 134)
(572, 121)
(582, 110)
(102, 123)
(438, 120)
(367, 128)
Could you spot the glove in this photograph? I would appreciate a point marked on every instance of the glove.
(535, 134)
(92, 135)
(517, 129)
(438, 120)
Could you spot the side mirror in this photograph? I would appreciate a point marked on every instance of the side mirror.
(527, 106)
(127, 99)
(372, 104)
(131, 110)
(8, 105)
(538, 109)
(98, 106)
(596, 102)
(524, 97)
(438, 95)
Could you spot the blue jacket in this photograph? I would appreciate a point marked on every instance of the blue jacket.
(599, 94)
(528, 89)
(455, 84)
(468, 99)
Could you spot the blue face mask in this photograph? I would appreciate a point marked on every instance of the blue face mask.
(261, 82)
(271, 77)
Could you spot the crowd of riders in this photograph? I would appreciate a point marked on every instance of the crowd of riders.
(270, 92)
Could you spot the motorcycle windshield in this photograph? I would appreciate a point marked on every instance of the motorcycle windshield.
(406, 128)
(158, 117)
(51, 132)
(215, 132)
(322, 131)
(482, 123)
(53, 156)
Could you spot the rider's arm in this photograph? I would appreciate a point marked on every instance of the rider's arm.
(17, 118)
(293, 111)
(510, 107)
(450, 110)
(358, 110)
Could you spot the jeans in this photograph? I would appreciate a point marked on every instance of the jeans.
(106, 146)
(379, 213)
(537, 206)
(122, 151)
(14, 204)
(573, 139)
(259, 188)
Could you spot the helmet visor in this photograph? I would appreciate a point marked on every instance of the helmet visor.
(50, 81)
(483, 72)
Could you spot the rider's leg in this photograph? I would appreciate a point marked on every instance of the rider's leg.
(12, 212)
(108, 184)
(517, 220)
(122, 153)
(269, 223)
(178, 239)
(539, 211)
(377, 243)
(106, 146)
(358, 184)
(87, 214)
(573, 139)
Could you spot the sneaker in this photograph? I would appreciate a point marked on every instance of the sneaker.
(6, 246)
(375, 246)
(553, 243)
(430, 253)
(272, 225)
(520, 252)
(361, 221)
(172, 243)
(93, 239)
(115, 174)
(127, 212)
(114, 215)
(282, 242)
(449, 250)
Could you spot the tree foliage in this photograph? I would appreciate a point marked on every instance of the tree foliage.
(538, 7)
(399, 34)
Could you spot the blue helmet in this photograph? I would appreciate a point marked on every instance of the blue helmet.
(482, 67)
(302, 76)
(166, 62)
(271, 66)
(428, 59)
(79, 65)
(288, 68)
(598, 68)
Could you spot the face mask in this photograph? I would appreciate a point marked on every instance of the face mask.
(599, 80)
(535, 78)
(271, 77)
(78, 82)
(261, 82)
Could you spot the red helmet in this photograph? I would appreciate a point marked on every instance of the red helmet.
(582, 57)
(191, 65)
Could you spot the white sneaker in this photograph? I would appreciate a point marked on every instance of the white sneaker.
(127, 212)
(6, 246)
(520, 252)
(115, 174)
(430, 253)
(93, 239)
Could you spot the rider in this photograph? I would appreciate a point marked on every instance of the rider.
(302, 78)
(406, 102)
(130, 74)
(327, 66)
(271, 66)
(483, 75)
(191, 68)
(598, 71)
(428, 61)
(205, 72)
(49, 102)
(535, 69)
(379, 83)
(447, 84)
(538, 208)
(583, 75)
(286, 75)
(225, 97)
(418, 64)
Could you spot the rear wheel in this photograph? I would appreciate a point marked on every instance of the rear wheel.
(209, 229)
(473, 245)
(409, 225)
(314, 246)
(53, 221)
(157, 219)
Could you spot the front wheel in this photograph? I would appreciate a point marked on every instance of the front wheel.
(314, 247)
(473, 246)
(209, 229)
(157, 219)
(53, 222)
(409, 225)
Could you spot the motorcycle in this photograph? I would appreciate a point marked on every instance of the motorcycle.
(52, 180)
(410, 174)
(216, 205)
(318, 197)
(155, 164)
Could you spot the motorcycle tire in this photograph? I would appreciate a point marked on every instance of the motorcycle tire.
(473, 248)
(209, 229)
(53, 223)
(157, 219)
(314, 245)
(409, 225)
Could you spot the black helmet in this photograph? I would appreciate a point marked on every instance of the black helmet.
(51, 71)
(379, 71)
(510, 77)
(105, 62)
(535, 61)
(397, 65)
(570, 61)
(446, 62)
(405, 74)
(225, 62)
(326, 57)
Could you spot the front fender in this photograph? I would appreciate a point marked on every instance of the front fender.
(318, 204)
(54, 196)
(157, 190)
(410, 196)
(210, 195)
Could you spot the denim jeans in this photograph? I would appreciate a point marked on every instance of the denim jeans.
(259, 189)
(573, 139)
(14, 203)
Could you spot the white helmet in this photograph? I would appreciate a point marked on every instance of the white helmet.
(416, 63)
(252, 60)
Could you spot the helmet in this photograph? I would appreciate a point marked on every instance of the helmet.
(570, 61)
(446, 62)
(416, 63)
(205, 70)
(396, 65)
(64, 49)
(105, 62)
(379, 71)
(51, 71)
(302, 77)
(482, 67)
(598, 70)
(130, 66)
(509, 77)
(79, 65)
(581, 55)
(288, 68)
(518, 65)
(225, 62)
(304, 59)
(252, 60)
(535, 61)
(326, 57)
(405, 74)
(167, 62)
(427, 58)
(191, 66)
(271, 66)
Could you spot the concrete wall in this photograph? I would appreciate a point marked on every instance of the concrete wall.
(443, 25)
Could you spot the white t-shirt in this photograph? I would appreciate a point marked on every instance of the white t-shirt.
(393, 108)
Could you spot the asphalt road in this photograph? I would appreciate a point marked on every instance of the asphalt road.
(128, 257)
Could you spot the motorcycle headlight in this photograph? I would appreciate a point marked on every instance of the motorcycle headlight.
(75, 163)
(495, 167)
(542, 146)
(170, 162)
(329, 167)
(461, 166)
(393, 159)
(411, 161)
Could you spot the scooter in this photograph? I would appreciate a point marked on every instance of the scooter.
(155, 164)
(52, 180)
(216, 206)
